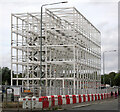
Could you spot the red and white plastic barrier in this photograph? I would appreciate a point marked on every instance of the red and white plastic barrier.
(51, 101)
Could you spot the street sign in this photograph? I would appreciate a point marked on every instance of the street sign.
(9, 91)
(27, 91)
(16, 91)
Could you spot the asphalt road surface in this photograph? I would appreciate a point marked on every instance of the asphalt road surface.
(0, 102)
(0, 107)
(110, 104)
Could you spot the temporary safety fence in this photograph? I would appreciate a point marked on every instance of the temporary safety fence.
(59, 100)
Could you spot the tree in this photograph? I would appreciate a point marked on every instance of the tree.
(102, 81)
(106, 78)
(6, 75)
(117, 79)
(109, 77)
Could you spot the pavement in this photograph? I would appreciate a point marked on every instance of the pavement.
(109, 104)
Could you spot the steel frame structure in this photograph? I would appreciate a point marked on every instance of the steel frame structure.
(71, 51)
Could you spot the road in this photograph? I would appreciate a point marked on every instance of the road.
(0, 107)
(0, 102)
(110, 104)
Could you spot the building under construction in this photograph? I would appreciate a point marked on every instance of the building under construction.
(71, 51)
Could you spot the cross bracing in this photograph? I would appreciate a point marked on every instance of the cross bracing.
(71, 50)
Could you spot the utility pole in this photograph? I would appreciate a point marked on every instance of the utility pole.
(104, 64)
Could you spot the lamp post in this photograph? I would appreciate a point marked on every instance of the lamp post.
(104, 63)
(41, 39)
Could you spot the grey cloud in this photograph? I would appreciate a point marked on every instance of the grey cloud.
(102, 15)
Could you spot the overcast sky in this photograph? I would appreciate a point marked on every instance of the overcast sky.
(103, 14)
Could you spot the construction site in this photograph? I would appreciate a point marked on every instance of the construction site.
(71, 52)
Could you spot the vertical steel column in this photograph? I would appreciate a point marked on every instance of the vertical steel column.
(41, 49)
(63, 87)
(17, 50)
(46, 54)
(77, 72)
(27, 53)
(11, 50)
(74, 68)
(22, 55)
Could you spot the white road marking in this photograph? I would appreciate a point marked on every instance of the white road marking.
(81, 106)
(92, 103)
